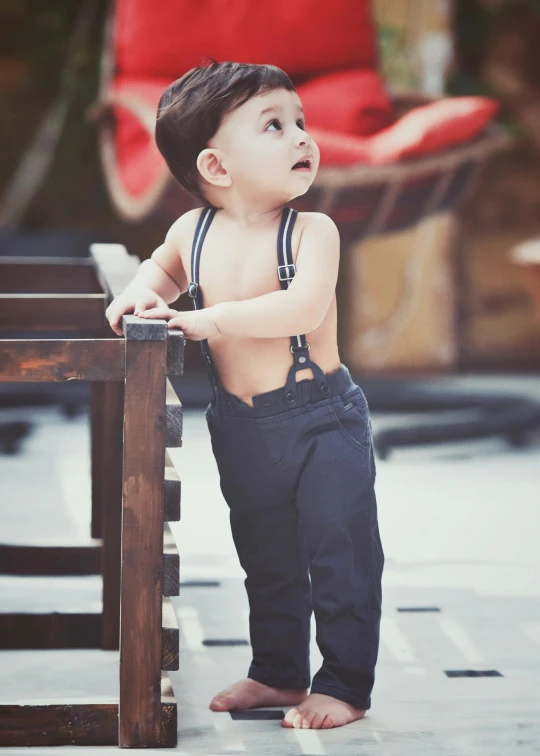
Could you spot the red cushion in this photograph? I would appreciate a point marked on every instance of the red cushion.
(433, 128)
(304, 37)
(425, 130)
(351, 102)
(138, 161)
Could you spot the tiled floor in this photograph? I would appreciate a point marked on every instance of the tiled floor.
(460, 526)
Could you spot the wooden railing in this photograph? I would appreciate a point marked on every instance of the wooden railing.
(135, 416)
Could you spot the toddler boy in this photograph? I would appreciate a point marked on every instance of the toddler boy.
(289, 428)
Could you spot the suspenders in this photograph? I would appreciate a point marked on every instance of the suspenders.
(193, 289)
(299, 345)
(285, 270)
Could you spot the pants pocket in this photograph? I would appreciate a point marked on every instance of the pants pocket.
(274, 438)
(353, 421)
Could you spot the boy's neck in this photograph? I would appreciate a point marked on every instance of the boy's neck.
(247, 218)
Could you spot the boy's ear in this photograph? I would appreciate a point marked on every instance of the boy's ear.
(209, 163)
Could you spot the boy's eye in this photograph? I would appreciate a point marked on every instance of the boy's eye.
(300, 122)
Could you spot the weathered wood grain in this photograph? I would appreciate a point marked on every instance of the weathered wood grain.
(52, 275)
(142, 538)
(170, 638)
(175, 352)
(37, 360)
(173, 418)
(110, 485)
(171, 564)
(50, 559)
(49, 312)
(52, 630)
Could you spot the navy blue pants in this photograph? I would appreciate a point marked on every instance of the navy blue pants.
(299, 484)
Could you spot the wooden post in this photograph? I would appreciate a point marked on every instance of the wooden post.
(111, 510)
(142, 532)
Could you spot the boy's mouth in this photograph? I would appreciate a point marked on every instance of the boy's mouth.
(303, 165)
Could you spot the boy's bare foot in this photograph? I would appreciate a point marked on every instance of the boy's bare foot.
(248, 693)
(320, 711)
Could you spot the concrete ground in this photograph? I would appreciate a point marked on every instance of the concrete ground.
(460, 526)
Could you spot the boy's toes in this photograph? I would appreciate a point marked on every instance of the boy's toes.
(290, 716)
(309, 720)
(327, 722)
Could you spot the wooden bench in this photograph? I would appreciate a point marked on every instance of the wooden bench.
(135, 416)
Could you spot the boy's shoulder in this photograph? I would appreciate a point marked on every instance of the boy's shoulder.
(317, 230)
(182, 230)
(317, 220)
(190, 218)
(186, 222)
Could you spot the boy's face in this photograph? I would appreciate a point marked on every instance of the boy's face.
(257, 150)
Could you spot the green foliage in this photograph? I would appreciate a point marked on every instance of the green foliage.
(395, 66)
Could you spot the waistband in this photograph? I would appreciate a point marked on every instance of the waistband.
(274, 402)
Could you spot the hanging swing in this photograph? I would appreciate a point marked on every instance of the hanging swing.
(398, 160)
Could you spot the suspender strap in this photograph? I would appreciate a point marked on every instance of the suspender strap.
(299, 344)
(203, 225)
(286, 271)
(286, 267)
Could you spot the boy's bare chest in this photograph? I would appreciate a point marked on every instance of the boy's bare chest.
(239, 267)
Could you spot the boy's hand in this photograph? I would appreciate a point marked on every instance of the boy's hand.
(128, 302)
(196, 324)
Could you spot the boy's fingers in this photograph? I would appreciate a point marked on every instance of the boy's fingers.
(155, 312)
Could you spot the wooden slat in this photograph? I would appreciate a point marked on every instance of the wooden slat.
(173, 418)
(59, 724)
(115, 268)
(172, 492)
(54, 630)
(111, 510)
(142, 540)
(169, 715)
(36, 360)
(171, 564)
(170, 659)
(175, 352)
(53, 275)
(78, 723)
(97, 453)
(52, 559)
(46, 312)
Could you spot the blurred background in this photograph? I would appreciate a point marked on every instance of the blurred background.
(427, 114)
(50, 73)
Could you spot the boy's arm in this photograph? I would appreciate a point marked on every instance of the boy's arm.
(163, 273)
(159, 281)
(302, 306)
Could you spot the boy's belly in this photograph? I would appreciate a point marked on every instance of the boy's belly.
(247, 367)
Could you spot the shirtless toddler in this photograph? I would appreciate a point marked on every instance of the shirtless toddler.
(290, 430)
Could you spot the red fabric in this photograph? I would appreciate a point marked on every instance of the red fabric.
(303, 37)
(425, 130)
(433, 128)
(351, 102)
(139, 163)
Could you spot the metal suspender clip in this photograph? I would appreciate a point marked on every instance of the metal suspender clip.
(193, 290)
(288, 276)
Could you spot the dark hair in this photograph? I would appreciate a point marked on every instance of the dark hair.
(192, 108)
